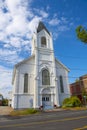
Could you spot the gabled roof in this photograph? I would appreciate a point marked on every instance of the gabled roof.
(62, 64)
(23, 61)
(41, 26)
(18, 64)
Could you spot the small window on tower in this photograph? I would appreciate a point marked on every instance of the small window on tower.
(43, 42)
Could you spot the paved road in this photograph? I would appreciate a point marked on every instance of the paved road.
(61, 120)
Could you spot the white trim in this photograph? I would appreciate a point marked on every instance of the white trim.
(62, 64)
(18, 64)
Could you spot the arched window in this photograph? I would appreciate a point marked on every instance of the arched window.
(43, 42)
(25, 83)
(45, 77)
(61, 84)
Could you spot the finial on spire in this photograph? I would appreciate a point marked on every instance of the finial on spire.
(41, 26)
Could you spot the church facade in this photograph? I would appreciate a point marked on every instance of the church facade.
(41, 80)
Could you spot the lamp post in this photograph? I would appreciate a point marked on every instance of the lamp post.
(85, 100)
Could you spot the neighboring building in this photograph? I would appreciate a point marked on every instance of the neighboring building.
(1, 98)
(76, 88)
(83, 81)
(40, 80)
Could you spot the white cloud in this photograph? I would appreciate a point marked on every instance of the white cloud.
(9, 57)
(59, 24)
(5, 80)
(4, 19)
(63, 28)
(16, 22)
(43, 14)
(54, 21)
(34, 23)
(17, 26)
(17, 6)
(6, 53)
(16, 42)
(64, 20)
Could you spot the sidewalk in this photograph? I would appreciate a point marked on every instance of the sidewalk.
(55, 109)
(5, 110)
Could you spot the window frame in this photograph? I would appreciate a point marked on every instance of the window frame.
(43, 42)
(45, 77)
(26, 83)
(61, 84)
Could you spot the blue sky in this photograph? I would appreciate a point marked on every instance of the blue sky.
(18, 21)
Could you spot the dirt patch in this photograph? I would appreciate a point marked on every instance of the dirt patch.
(5, 110)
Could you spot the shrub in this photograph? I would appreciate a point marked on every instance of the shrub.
(75, 101)
(71, 102)
(66, 100)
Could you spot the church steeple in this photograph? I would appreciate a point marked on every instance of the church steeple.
(42, 39)
(41, 26)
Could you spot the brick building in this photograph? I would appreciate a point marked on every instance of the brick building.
(76, 88)
(83, 81)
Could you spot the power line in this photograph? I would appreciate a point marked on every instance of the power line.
(73, 57)
(65, 56)
(52, 76)
(56, 67)
(79, 69)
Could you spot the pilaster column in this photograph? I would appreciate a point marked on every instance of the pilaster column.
(36, 80)
(16, 90)
(56, 93)
(55, 82)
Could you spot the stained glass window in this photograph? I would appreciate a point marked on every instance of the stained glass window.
(61, 84)
(25, 83)
(45, 77)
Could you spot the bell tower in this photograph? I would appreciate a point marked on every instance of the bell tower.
(42, 48)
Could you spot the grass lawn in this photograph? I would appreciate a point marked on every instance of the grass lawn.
(23, 112)
(34, 111)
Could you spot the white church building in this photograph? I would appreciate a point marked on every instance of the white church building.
(41, 80)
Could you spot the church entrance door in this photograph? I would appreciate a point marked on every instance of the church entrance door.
(46, 98)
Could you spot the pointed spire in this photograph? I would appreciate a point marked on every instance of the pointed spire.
(41, 26)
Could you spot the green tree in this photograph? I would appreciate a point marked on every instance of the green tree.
(5, 102)
(77, 80)
(1, 95)
(81, 33)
